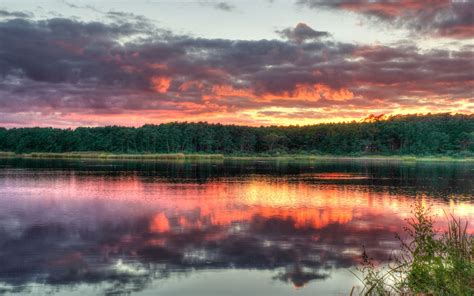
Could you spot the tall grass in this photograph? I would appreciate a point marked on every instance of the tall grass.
(214, 156)
(105, 156)
(429, 263)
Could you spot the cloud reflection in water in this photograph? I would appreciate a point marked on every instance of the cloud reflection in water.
(69, 228)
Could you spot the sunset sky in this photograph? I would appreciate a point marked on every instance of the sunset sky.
(261, 62)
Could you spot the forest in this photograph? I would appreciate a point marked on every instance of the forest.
(430, 134)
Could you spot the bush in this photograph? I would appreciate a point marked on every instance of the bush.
(429, 263)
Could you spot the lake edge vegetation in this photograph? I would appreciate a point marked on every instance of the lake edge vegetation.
(417, 136)
(428, 262)
(106, 156)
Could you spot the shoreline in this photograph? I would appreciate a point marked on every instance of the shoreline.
(221, 157)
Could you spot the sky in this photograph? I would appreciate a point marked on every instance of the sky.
(261, 62)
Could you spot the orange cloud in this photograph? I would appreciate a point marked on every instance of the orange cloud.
(160, 223)
(191, 84)
(160, 84)
(222, 91)
(319, 91)
(301, 92)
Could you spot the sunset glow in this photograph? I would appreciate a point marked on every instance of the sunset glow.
(98, 64)
(236, 147)
(224, 204)
(292, 225)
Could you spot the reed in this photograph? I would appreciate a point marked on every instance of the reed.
(6, 154)
(99, 155)
(204, 156)
(429, 263)
(250, 157)
(124, 156)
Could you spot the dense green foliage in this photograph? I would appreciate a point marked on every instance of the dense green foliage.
(429, 263)
(409, 134)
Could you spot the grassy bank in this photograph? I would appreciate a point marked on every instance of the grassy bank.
(428, 263)
(404, 158)
(7, 154)
(192, 156)
(112, 156)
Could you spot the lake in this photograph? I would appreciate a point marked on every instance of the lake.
(74, 227)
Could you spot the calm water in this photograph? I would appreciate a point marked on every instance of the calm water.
(233, 228)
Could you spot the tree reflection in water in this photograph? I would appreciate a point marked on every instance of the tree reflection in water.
(130, 228)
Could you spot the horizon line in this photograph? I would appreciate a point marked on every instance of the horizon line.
(368, 119)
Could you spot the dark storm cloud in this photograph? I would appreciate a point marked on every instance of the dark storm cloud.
(447, 18)
(301, 33)
(129, 65)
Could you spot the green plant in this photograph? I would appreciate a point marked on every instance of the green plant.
(429, 263)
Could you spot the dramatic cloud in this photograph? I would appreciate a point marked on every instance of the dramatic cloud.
(301, 33)
(444, 18)
(127, 71)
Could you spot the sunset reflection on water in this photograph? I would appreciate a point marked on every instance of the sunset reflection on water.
(129, 229)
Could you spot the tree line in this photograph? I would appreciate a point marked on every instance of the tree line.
(400, 134)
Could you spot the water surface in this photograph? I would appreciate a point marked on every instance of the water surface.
(228, 228)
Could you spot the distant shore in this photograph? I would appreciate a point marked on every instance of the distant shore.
(218, 157)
